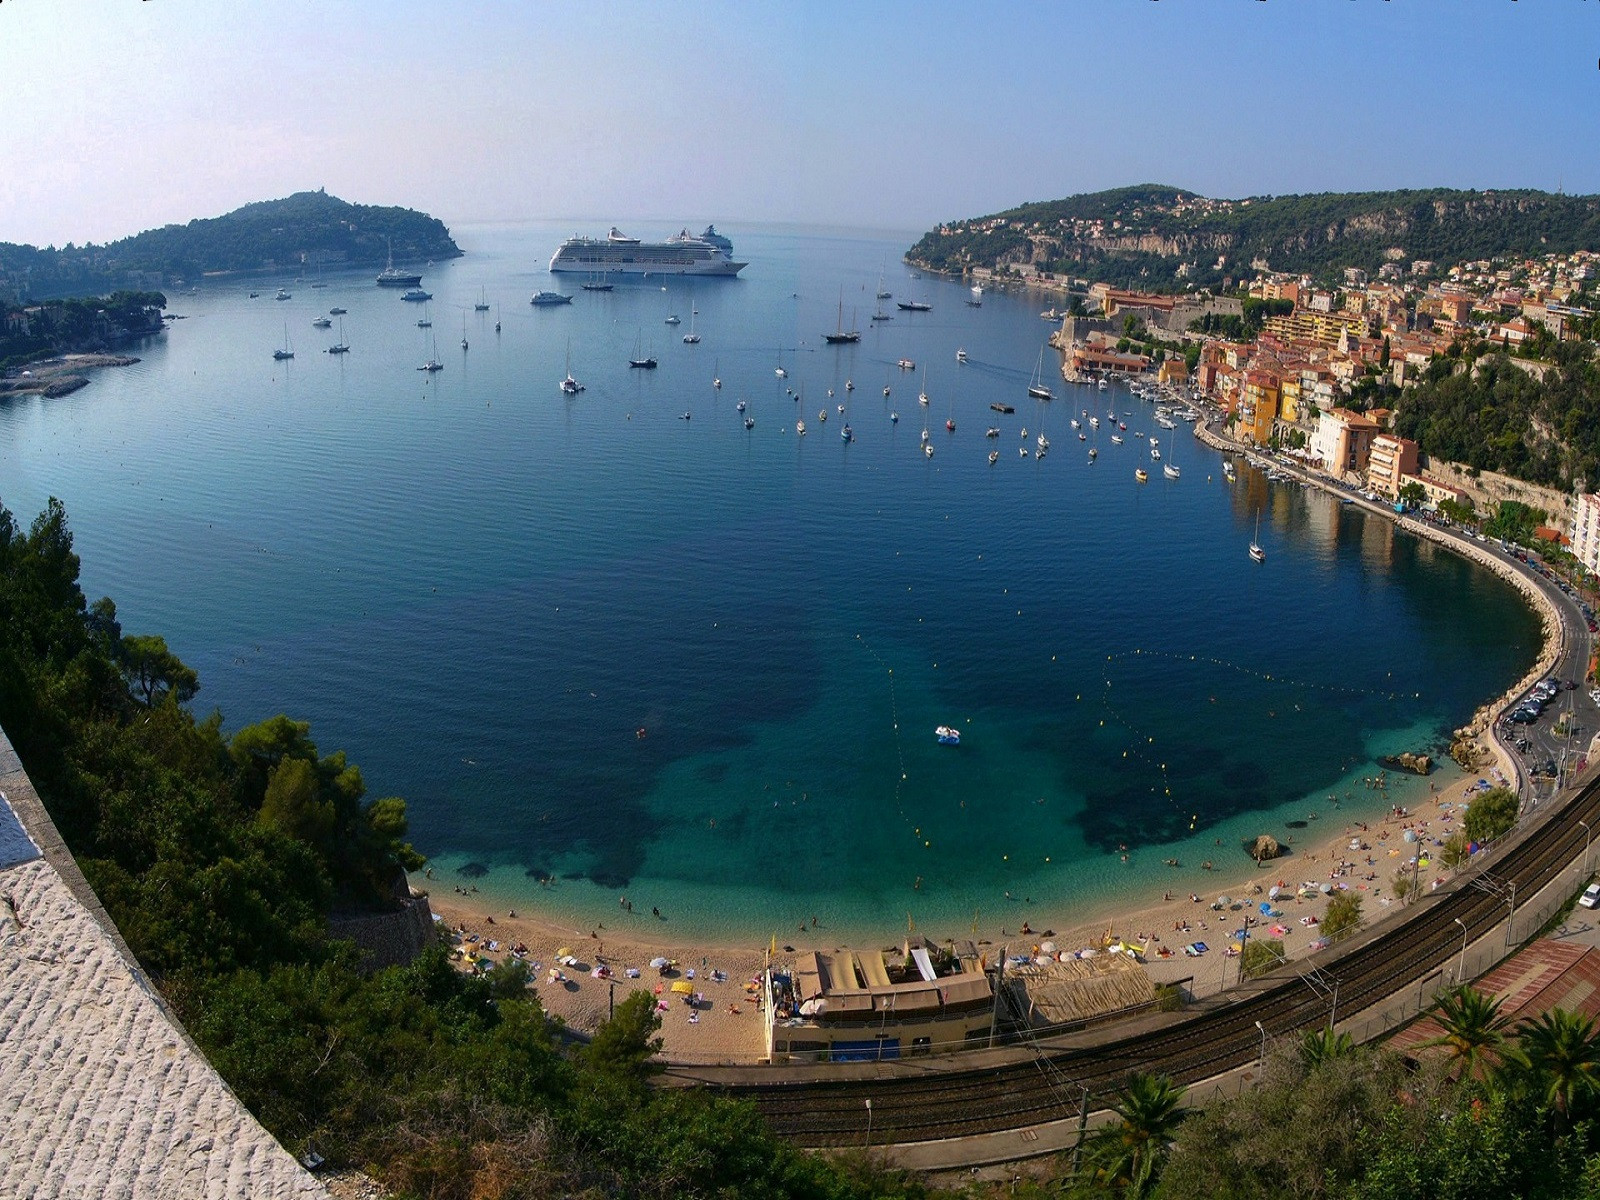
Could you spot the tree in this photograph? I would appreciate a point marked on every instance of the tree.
(1560, 1050)
(623, 1047)
(1320, 1046)
(1473, 1028)
(1127, 1154)
(155, 673)
(1261, 955)
(1343, 916)
(1413, 494)
(1490, 814)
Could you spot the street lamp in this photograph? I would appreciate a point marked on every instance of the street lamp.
(1461, 971)
(869, 1122)
(1263, 1029)
(1586, 834)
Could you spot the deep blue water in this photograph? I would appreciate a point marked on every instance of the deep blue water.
(483, 590)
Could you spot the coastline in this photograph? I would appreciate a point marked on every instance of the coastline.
(58, 375)
(1363, 856)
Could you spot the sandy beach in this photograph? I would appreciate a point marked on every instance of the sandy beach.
(1360, 856)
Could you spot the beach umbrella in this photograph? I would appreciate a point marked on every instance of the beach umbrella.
(682, 987)
(1274, 892)
(1048, 947)
(1265, 907)
(564, 952)
(1224, 900)
(658, 962)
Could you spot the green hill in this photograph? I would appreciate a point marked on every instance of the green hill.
(1163, 238)
(302, 230)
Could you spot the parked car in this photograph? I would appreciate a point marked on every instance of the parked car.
(1591, 896)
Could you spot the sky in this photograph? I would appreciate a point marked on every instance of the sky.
(118, 116)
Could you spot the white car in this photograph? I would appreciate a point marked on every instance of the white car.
(1591, 896)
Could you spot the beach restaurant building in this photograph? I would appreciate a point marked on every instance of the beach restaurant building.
(856, 1006)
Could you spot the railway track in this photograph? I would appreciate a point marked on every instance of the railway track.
(1050, 1080)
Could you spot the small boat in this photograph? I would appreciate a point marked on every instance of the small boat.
(432, 365)
(905, 364)
(1037, 389)
(416, 295)
(749, 422)
(1155, 456)
(282, 295)
(1044, 442)
(849, 385)
(1094, 422)
(950, 425)
(778, 370)
(463, 330)
(740, 407)
(287, 351)
(684, 417)
(927, 449)
(1116, 439)
(691, 338)
(947, 736)
(800, 428)
(640, 360)
(994, 457)
(673, 319)
(913, 305)
(822, 415)
(1102, 385)
(1022, 451)
(1083, 437)
(339, 347)
(547, 298)
(322, 323)
(976, 299)
(337, 311)
(569, 385)
(842, 336)
(993, 431)
(961, 356)
(882, 316)
(596, 285)
(1170, 471)
(1002, 408)
(1257, 554)
(1094, 453)
(1142, 475)
(847, 434)
(885, 391)
(483, 301)
(426, 320)
(253, 295)
(1051, 314)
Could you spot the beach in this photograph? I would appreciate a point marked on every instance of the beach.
(1360, 856)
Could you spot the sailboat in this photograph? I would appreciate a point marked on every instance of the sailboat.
(286, 352)
(339, 347)
(463, 329)
(497, 319)
(483, 301)
(569, 385)
(1037, 389)
(779, 371)
(598, 284)
(639, 359)
(841, 335)
(433, 364)
(922, 396)
(883, 295)
(425, 321)
(716, 375)
(1167, 469)
(1256, 552)
(691, 338)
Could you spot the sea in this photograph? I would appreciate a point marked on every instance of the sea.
(619, 645)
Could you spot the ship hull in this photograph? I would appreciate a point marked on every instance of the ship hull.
(642, 265)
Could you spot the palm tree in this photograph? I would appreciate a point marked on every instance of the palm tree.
(1560, 1051)
(1474, 1027)
(1127, 1154)
(1323, 1046)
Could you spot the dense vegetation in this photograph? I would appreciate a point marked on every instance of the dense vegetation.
(78, 325)
(283, 235)
(1168, 239)
(1475, 406)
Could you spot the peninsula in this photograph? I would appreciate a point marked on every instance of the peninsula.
(308, 230)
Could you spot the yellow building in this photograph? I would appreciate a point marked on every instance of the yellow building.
(1289, 399)
(1173, 370)
(1258, 405)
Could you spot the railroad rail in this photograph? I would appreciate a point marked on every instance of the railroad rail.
(1051, 1079)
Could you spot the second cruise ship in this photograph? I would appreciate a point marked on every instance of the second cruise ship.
(682, 254)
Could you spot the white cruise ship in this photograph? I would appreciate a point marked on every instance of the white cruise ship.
(682, 254)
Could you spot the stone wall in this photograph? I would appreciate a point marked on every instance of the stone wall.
(1490, 487)
(390, 939)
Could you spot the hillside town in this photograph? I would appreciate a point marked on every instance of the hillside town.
(1308, 375)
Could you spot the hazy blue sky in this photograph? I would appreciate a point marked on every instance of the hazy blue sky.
(116, 116)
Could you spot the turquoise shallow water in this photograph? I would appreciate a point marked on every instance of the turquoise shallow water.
(483, 590)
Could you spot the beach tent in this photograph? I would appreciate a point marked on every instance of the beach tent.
(658, 962)
(682, 987)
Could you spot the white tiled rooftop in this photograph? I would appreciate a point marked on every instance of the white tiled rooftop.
(101, 1093)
